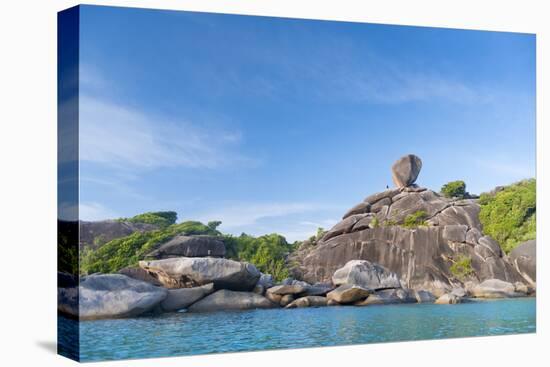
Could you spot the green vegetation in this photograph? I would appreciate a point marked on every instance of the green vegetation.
(509, 214)
(127, 251)
(268, 253)
(462, 267)
(454, 189)
(161, 219)
(416, 219)
(375, 222)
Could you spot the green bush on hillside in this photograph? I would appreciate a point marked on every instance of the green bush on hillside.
(161, 219)
(462, 267)
(509, 215)
(415, 219)
(454, 189)
(268, 253)
(127, 251)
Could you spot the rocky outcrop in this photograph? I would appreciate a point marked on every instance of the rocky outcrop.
(140, 274)
(388, 296)
(524, 259)
(95, 234)
(189, 246)
(224, 300)
(185, 272)
(348, 294)
(413, 232)
(308, 301)
(405, 170)
(110, 296)
(495, 288)
(448, 299)
(182, 298)
(287, 289)
(365, 274)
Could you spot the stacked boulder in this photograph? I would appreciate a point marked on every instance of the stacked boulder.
(417, 234)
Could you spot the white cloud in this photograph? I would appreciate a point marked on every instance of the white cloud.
(93, 211)
(244, 214)
(124, 137)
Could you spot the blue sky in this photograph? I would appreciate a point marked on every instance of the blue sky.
(281, 125)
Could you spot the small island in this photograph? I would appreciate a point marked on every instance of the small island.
(407, 244)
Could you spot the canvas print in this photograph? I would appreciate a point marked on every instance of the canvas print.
(233, 183)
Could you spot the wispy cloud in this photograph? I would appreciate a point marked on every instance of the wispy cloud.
(125, 137)
(513, 169)
(245, 214)
(93, 211)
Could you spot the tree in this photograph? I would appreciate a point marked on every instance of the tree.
(454, 189)
(214, 224)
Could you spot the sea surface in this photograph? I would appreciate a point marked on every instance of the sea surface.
(188, 334)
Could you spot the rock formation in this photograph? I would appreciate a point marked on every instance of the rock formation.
(182, 298)
(185, 272)
(413, 232)
(110, 296)
(189, 246)
(524, 260)
(94, 234)
(229, 300)
(405, 171)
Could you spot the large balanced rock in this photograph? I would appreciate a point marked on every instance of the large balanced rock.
(190, 246)
(185, 272)
(365, 274)
(113, 296)
(524, 259)
(405, 170)
(348, 293)
(182, 298)
(229, 300)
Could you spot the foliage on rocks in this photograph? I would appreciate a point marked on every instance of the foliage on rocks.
(161, 219)
(415, 219)
(127, 251)
(509, 214)
(462, 267)
(268, 253)
(454, 189)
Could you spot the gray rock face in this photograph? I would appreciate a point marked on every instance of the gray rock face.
(114, 296)
(365, 274)
(140, 274)
(94, 234)
(181, 298)
(422, 256)
(524, 259)
(286, 299)
(405, 170)
(266, 280)
(348, 294)
(287, 289)
(424, 297)
(224, 300)
(308, 301)
(448, 299)
(185, 272)
(388, 296)
(495, 288)
(190, 246)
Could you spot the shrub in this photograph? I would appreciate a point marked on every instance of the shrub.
(415, 219)
(462, 267)
(454, 189)
(161, 219)
(375, 222)
(509, 215)
(127, 251)
(214, 224)
(268, 253)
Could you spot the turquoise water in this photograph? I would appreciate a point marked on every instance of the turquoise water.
(187, 334)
